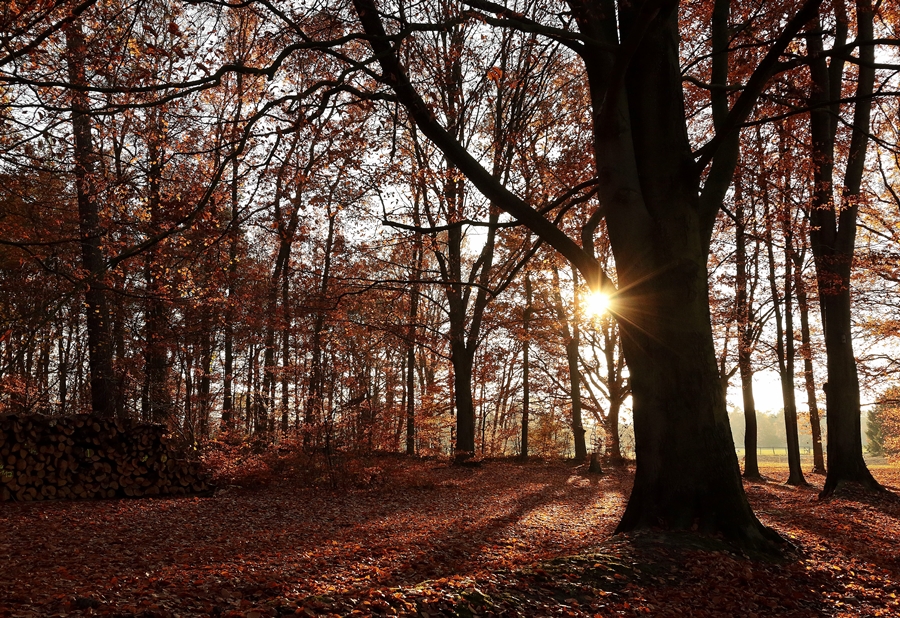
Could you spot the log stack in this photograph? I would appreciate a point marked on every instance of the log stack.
(81, 457)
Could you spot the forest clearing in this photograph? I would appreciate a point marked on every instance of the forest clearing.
(425, 538)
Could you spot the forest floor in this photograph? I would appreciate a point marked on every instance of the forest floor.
(424, 538)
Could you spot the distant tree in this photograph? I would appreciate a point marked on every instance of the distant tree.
(883, 425)
(875, 431)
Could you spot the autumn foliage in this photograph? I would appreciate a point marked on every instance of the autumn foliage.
(327, 248)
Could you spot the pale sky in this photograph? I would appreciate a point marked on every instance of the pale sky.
(766, 392)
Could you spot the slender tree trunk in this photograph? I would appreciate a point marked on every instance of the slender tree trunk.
(526, 366)
(206, 353)
(575, 395)
(412, 332)
(746, 339)
(808, 375)
(751, 459)
(611, 430)
(104, 391)
(286, 233)
(571, 336)
(615, 387)
(228, 373)
(315, 412)
(285, 349)
(190, 423)
(156, 403)
(234, 235)
(411, 338)
(784, 348)
(64, 351)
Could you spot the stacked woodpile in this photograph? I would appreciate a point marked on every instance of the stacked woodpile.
(45, 458)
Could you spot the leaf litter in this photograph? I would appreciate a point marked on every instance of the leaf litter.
(424, 538)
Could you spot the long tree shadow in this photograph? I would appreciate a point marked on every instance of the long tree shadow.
(488, 536)
(855, 525)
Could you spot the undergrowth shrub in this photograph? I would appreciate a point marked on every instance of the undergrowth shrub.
(242, 461)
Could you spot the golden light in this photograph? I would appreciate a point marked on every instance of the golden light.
(596, 303)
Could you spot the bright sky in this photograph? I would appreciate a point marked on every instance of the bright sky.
(766, 392)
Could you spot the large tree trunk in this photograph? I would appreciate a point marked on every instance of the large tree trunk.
(104, 391)
(687, 471)
(463, 363)
(832, 239)
(845, 454)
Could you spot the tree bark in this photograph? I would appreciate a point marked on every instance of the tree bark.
(687, 473)
(411, 342)
(285, 349)
(746, 340)
(572, 339)
(156, 401)
(286, 232)
(315, 402)
(832, 240)
(104, 390)
(784, 350)
(808, 375)
(206, 354)
(463, 363)
(526, 367)
(234, 236)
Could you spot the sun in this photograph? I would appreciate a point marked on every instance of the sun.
(596, 303)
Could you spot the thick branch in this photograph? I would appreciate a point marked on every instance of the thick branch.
(395, 76)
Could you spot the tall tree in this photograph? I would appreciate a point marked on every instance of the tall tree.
(748, 329)
(527, 313)
(571, 336)
(104, 391)
(806, 352)
(784, 337)
(660, 218)
(833, 219)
